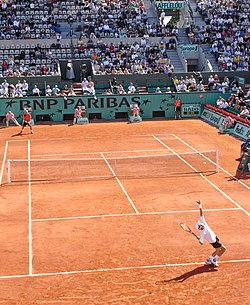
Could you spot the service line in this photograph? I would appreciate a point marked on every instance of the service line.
(130, 214)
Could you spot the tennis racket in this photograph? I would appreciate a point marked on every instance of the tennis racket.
(187, 229)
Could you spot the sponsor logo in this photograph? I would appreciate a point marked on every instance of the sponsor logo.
(172, 5)
(190, 48)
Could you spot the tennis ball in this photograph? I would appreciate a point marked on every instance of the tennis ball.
(205, 162)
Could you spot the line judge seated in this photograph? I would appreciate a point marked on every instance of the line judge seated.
(79, 113)
(134, 110)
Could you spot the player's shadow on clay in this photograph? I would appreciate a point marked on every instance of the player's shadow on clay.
(187, 275)
(16, 135)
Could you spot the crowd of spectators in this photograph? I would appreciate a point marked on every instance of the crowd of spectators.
(189, 84)
(116, 88)
(28, 19)
(214, 84)
(41, 19)
(36, 60)
(228, 113)
(119, 19)
(227, 31)
(22, 89)
(135, 58)
(238, 102)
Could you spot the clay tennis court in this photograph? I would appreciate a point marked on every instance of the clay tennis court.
(99, 222)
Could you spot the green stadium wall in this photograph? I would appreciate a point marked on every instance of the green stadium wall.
(106, 107)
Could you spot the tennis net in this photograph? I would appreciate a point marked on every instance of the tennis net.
(107, 168)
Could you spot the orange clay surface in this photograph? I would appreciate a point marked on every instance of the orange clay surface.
(118, 241)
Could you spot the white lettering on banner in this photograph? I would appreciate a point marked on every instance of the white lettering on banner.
(189, 48)
(190, 110)
(172, 5)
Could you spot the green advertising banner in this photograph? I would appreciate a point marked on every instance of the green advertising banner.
(240, 130)
(105, 107)
(190, 48)
(171, 5)
(108, 107)
(190, 110)
(212, 117)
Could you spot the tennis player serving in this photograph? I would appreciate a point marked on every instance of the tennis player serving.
(207, 234)
(26, 121)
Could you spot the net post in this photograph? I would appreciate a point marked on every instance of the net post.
(217, 160)
(8, 171)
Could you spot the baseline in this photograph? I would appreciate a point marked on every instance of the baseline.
(247, 260)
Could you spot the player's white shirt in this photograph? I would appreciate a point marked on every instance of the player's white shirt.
(206, 233)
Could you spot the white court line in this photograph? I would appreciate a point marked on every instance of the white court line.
(62, 139)
(225, 171)
(129, 214)
(247, 260)
(30, 211)
(4, 160)
(205, 178)
(119, 182)
(54, 139)
(104, 152)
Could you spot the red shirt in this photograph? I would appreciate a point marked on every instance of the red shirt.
(178, 103)
(27, 117)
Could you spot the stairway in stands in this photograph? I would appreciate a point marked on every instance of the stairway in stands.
(175, 60)
(198, 21)
(210, 57)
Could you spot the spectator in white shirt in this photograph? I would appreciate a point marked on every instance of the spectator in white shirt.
(48, 91)
(84, 84)
(25, 87)
(4, 92)
(23, 69)
(18, 85)
(131, 88)
(36, 91)
(158, 90)
(222, 103)
(5, 84)
(244, 113)
(200, 87)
